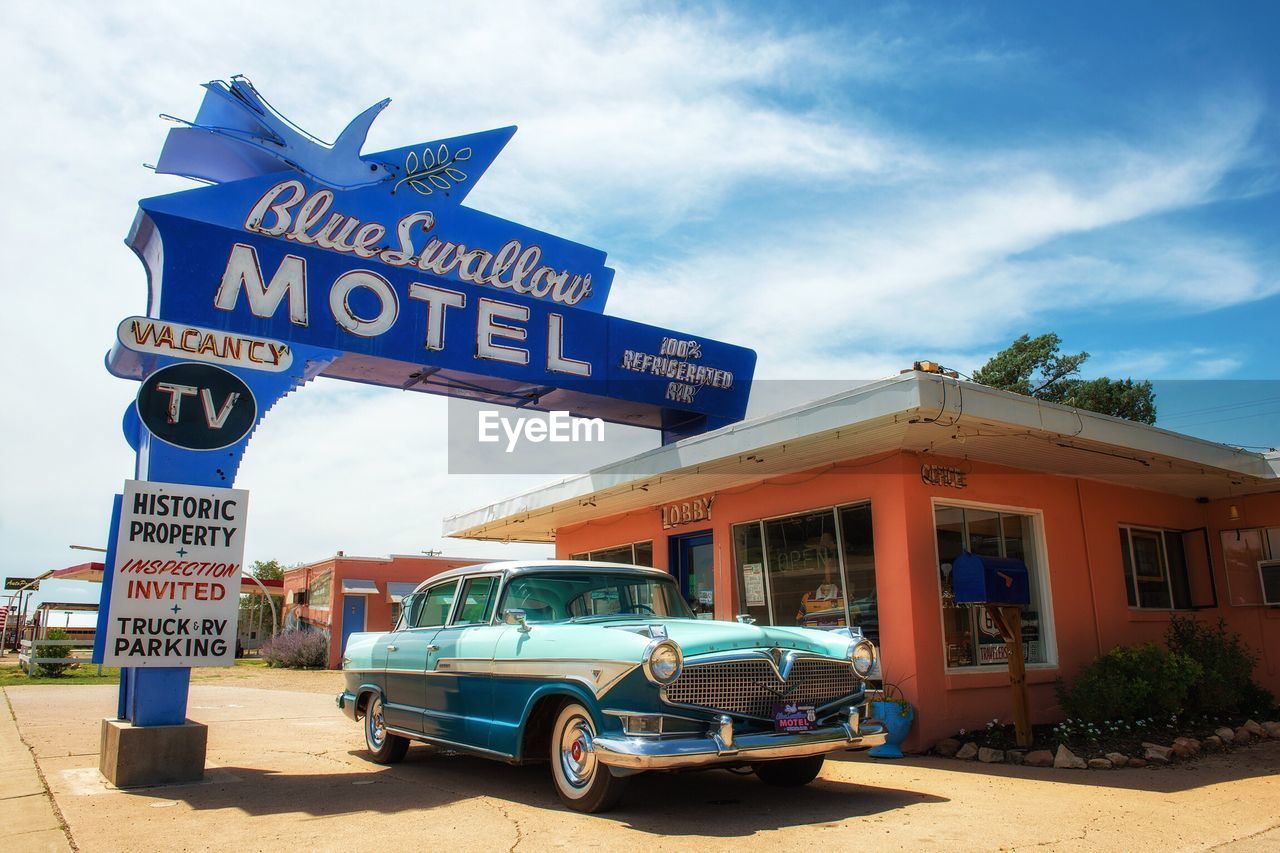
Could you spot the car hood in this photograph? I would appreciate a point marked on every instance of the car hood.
(704, 636)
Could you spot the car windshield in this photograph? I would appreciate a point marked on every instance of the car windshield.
(578, 596)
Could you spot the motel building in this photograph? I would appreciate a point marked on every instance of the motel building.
(851, 510)
(342, 595)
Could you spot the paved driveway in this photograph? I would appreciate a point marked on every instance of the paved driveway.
(288, 772)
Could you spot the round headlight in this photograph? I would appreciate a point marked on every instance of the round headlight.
(663, 662)
(862, 655)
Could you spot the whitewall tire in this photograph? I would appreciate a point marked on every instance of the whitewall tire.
(583, 783)
(384, 747)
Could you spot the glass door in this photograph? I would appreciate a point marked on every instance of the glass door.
(695, 572)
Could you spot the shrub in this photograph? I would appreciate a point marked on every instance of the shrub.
(297, 650)
(1130, 683)
(1225, 685)
(52, 670)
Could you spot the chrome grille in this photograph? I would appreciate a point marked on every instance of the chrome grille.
(752, 686)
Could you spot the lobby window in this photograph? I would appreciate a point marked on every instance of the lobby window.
(970, 638)
(815, 569)
(637, 554)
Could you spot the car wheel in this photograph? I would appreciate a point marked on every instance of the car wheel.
(384, 747)
(583, 783)
(789, 772)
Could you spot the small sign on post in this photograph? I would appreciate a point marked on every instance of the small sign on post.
(175, 593)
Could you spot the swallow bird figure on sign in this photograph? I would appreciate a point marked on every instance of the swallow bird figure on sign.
(237, 134)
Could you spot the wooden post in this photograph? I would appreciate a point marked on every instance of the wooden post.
(1009, 619)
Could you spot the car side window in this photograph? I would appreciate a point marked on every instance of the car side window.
(410, 607)
(436, 604)
(477, 601)
(525, 593)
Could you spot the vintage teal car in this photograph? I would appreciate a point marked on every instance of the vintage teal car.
(602, 669)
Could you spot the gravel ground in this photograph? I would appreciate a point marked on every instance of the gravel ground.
(286, 770)
(325, 681)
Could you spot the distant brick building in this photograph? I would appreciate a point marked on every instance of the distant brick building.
(343, 595)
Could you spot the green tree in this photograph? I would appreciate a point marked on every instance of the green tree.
(268, 570)
(251, 604)
(1036, 368)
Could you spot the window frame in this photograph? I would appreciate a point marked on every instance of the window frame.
(1269, 537)
(453, 606)
(1040, 548)
(590, 556)
(834, 509)
(464, 584)
(1166, 568)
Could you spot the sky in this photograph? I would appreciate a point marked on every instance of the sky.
(845, 189)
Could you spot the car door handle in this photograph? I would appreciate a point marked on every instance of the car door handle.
(432, 647)
(391, 648)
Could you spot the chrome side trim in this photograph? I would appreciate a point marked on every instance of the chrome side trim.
(615, 712)
(598, 676)
(463, 747)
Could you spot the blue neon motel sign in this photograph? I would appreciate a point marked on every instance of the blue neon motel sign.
(301, 258)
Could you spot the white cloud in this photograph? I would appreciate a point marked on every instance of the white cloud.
(1192, 363)
(1005, 240)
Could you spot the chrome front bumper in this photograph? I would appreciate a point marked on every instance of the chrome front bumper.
(723, 746)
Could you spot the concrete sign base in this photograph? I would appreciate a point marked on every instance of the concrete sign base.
(137, 756)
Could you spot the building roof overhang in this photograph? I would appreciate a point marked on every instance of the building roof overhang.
(925, 413)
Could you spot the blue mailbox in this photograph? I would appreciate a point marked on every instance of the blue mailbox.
(990, 580)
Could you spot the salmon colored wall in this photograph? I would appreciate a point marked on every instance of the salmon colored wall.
(399, 568)
(1258, 626)
(1079, 553)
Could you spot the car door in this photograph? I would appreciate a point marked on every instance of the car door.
(409, 653)
(459, 685)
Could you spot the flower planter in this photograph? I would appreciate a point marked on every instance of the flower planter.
(897, 720)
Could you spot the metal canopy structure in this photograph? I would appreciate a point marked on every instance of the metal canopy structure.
(918, 412)
(397, 590)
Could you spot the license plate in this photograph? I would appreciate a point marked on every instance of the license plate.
(789, 717)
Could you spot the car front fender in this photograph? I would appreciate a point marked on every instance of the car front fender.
(535, 708)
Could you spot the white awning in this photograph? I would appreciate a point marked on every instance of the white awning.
(353, 586)
(918, 413)
(396, 591)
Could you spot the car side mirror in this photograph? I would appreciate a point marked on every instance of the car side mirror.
(746, 619)
(516, 617)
